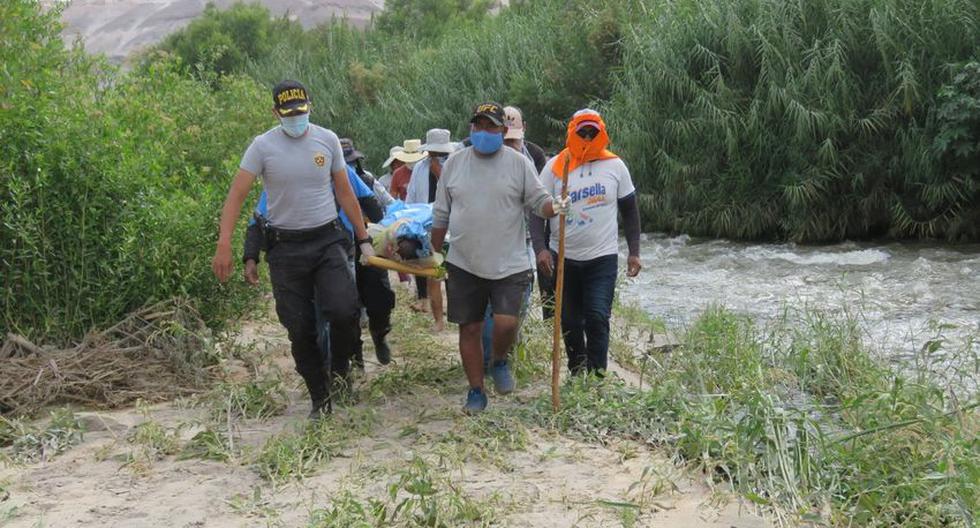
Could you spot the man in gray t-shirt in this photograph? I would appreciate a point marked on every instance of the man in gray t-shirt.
(306, 243)
(481, 197)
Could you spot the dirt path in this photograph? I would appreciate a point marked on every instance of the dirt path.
(404, 444)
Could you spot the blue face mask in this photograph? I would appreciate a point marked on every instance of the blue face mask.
(486, 142)
(295, 126)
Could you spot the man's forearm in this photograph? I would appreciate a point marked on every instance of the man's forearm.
(438, 238)
(548, 210)
(537, 228)
(229, 216)
(237, 194)
(629, 207)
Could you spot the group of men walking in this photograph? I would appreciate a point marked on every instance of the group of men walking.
(496, 205)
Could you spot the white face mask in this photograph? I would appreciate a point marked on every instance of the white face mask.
(295, 126)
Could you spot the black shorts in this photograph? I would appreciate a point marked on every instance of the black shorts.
(468, 294)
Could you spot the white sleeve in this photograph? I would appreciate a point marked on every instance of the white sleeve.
(625, 187)
(414, 192)
(547, 177)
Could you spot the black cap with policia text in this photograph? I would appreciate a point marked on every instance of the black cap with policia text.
(290, 98)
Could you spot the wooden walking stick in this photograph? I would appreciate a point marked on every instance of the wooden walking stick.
(559, 285)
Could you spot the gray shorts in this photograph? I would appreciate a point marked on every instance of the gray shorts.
(468, 294)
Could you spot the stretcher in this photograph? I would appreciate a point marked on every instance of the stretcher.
(394, 265)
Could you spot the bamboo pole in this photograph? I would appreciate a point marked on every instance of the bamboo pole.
(559, 285)
(388, 264)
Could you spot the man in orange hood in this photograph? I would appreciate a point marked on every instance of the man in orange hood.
(600, 188)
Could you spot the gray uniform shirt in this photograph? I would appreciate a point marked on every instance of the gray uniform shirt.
(296, 175)
(482, 201)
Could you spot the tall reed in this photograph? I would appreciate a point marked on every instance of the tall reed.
(811, 121)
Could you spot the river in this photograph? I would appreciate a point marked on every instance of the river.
(902, 294)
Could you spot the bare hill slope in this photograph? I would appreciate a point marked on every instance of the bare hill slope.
(120, 27)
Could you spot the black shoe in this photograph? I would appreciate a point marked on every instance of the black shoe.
(321, 409)
(381, 348)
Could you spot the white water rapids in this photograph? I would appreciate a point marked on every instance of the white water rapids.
(903, 294)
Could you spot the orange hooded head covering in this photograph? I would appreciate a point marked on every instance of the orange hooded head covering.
(579, 151)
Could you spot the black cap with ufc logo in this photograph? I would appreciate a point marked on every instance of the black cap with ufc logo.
(490, 110)
(290, 98)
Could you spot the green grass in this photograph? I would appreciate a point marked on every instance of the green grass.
(259, 398)
(418, 495)
(796, 416)
(799, 419)
(292, 455)
(26, 443)
(209, 444)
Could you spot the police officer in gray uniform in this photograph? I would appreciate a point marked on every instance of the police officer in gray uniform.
(307, 245)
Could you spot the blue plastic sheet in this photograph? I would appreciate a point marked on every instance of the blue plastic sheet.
(410, 221)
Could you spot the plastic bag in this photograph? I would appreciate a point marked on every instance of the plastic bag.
(403, 221)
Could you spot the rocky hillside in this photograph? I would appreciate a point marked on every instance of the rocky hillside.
(120, 27)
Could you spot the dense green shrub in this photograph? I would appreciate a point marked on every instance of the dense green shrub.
(749, 119)
(957, 143)
(389, 83)
(428, 19)
(224, 41)
(110, 183)
(800, 120)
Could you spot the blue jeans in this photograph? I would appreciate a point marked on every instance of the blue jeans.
(586, 306)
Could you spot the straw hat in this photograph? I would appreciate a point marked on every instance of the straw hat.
(411, 151)
(391, 155)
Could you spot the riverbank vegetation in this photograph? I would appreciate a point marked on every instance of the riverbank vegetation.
(800, 416)
(745, 119)
(110, 182)
(749, 119)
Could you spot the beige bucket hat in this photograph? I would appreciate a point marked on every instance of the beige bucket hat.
(437, 140)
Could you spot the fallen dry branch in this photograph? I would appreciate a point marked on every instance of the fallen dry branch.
(156, 353)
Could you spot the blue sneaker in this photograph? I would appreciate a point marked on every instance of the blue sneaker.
(503, 380)
(476, 401)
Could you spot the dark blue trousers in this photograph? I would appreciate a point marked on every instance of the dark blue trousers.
(586, 306)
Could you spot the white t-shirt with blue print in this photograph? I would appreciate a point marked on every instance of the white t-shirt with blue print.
(592, 225)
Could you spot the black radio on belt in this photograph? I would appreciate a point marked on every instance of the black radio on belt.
(266, 229)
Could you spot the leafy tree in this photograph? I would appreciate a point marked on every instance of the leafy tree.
(223, 41)
(957, 143)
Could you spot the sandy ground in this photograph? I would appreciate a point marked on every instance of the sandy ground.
(552, 481)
